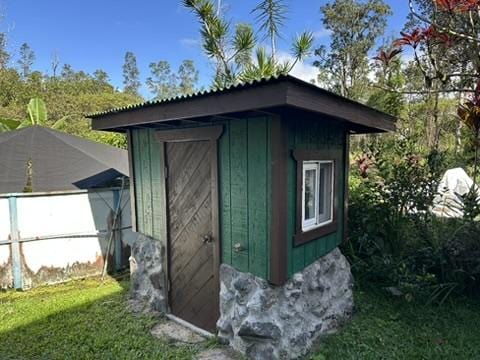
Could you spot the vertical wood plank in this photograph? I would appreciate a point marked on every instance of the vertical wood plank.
(146, 181)
(257, 202)
(300, 140)
(157, 183)
(239, 190)
(269, 195)
(225, 195)
(291, 200)
(137, 154)
(132, 176)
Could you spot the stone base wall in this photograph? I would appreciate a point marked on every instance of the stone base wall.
(284, 322)
(147, 275)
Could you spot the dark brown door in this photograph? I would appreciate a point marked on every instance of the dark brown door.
(192, 255)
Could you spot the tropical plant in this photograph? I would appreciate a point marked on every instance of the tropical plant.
(232, 52)
(271, 16)
(37, 115)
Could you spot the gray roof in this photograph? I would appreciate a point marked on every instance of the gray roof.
(59, 161)
(273, 95)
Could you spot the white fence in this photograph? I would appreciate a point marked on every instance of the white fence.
(53, 237)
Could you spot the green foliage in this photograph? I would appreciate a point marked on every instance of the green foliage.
(4, 55)
(131, 74)
(27, 58)
(67, 97)
(271, 16)
(384, 327)
(394, 239)
(232, 52)
(165, 84)
(355, 27)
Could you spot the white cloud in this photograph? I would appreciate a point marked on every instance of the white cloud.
(301, 70)
(322, 33)
(190, 42)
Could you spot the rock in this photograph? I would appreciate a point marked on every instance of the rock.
(147, 276)
(216, 354)
(263, 321)
(260, 330)
(175, 333)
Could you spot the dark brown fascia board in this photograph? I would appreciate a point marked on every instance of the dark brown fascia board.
(307, 98)
(261, 96)
(284, 92)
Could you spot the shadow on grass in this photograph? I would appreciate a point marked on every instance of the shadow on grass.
(89, 322)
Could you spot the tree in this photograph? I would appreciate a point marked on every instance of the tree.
(232, 50)
(101, 76)
(271, 15)
(4, 55)
(131, 74)
(37, 115)
(187, 77)
(55, 62)
(26, 60)
(67, 72)
(162, 82)
(355, 26)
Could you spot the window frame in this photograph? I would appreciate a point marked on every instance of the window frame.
(305, 234)
(315, 222)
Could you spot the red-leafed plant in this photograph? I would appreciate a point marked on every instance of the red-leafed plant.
(444, 38)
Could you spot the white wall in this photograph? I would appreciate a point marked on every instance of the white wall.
(71, 222)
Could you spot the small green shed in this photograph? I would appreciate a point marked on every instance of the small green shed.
(254, 176)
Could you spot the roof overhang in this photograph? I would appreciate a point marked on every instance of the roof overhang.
(272, 95)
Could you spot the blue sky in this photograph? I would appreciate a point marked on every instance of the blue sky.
(93, 34)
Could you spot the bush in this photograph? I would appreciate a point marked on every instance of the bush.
(394, 239)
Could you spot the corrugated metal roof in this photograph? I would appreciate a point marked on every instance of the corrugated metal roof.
(190, 96)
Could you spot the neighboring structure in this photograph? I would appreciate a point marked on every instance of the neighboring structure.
(452, 190)
(242, 192)
(60, 208)
(43, 159)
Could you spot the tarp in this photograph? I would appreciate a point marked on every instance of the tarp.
(56, 161)
(455, 184)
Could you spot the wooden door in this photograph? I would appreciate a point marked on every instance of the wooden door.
(193, 262)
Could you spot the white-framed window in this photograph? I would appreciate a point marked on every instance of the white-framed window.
(317, 193)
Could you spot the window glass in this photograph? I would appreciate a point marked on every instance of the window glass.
(325, 192)
(317, 194)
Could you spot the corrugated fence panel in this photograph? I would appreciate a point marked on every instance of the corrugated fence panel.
(64, 236)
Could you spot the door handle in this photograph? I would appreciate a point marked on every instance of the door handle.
(207, 239)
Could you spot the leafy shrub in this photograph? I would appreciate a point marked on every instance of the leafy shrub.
(395, 241)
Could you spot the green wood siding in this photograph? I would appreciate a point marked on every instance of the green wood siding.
(244, 190)
(244, 171)
(149, 168)
(312, 135)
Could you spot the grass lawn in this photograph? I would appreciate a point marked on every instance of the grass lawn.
(78, 320)
(89, 320)
(389, 328)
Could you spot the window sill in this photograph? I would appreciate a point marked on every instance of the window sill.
(315, 233)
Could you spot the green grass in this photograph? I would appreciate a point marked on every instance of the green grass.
(89, 320)
(389, 328)
(79, 320)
